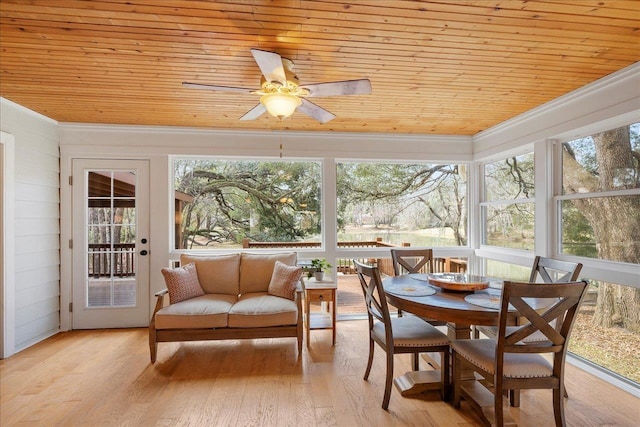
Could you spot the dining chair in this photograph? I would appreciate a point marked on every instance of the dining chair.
(409, 334)
(408, 261)
(510, 362)
(546, 270)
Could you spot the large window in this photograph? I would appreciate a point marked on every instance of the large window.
(240, 203)
(599, 205)
(399, 203)
(600, 200)
(508, 205)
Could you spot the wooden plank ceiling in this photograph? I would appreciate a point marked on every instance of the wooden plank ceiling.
(436, 67)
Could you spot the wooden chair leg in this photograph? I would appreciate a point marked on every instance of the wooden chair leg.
(415, 358)
(457, 366)
(370, 362)
(498, 407)
(444, 374)
(558, 407)
(514, 398)
(388, 382)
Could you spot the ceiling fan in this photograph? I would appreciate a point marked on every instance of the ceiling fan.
(281, 92)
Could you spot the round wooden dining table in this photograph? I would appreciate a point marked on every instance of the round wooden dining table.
(449, 306)
(446, 305)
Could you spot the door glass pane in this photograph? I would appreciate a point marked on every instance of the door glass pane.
(110, 228)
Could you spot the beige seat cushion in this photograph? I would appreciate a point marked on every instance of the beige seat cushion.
(206, 311)
(256, 310)
(256, 270)
(411, 331)
(217, 274)
(482, 353)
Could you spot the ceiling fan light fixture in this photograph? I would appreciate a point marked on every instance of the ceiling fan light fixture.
(280, 105)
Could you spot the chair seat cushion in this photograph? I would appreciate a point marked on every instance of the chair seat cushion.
(206, 311)
(482, 354)
(259, 309)
(411, 331)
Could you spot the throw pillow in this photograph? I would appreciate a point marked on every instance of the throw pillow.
(182, 283)
(284, 280)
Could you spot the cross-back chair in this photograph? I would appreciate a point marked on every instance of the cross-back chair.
(510, 362)
(409, 334)
(544, 270)
(413, 260)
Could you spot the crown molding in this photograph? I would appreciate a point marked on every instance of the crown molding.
(611, 96)
(26, 110)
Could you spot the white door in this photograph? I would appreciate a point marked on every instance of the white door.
(110, 243)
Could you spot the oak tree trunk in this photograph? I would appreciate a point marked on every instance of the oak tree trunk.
(615, 221)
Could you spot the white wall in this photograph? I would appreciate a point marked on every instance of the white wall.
(37, 218)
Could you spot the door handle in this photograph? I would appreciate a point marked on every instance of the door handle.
(143, 252)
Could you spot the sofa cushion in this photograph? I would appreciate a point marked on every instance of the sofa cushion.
(182, 283)
(256, 269)
(206, 311)
(284, 280)
(218, 274)
(255, 310)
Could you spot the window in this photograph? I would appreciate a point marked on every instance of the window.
(402, 204)
(507, 271)
(599, 211)
(508, 206)
(604, 337)
(231, 204)
(600, 199)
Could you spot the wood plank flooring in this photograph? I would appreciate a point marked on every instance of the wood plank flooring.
(104, 378)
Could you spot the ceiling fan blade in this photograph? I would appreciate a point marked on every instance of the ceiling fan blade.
(270, 64)
(217, 88)
(254, 113)
(315, 111)
(346, 87)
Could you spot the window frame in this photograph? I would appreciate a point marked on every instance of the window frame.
(483, 203)
(619, 273)
(172, 188)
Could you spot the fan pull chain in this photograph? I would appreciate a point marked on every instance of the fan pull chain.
(281, 150)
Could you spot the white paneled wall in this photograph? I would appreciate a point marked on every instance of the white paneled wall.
(36, 284)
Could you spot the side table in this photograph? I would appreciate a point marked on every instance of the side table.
(324, 292)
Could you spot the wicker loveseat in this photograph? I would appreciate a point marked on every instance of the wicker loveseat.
(236, 303)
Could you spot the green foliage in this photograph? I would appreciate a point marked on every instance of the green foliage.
(401, 196)
(320, 264)
(260, 200)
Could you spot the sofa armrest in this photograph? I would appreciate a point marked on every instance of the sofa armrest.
(159, 301)
(300, 286)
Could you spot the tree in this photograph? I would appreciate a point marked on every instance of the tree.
(393, 195)
(264, 201)
(612, 164)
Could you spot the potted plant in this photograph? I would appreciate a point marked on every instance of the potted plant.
(319, 265)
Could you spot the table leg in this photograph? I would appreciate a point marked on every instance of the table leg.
(458, 331)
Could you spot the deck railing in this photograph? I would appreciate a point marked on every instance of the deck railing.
(102, 255)
(345, 266)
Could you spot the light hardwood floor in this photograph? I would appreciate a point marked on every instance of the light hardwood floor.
(104, 378)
